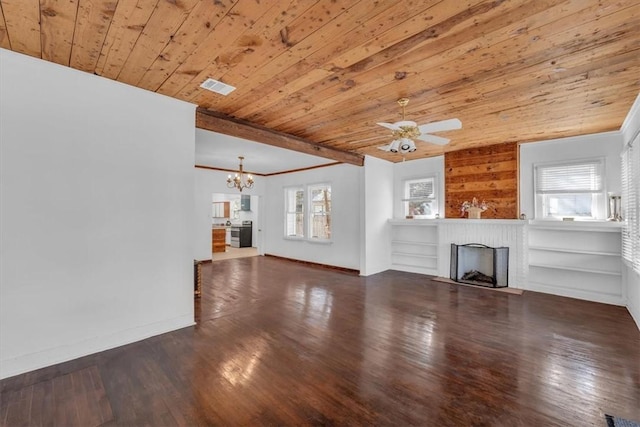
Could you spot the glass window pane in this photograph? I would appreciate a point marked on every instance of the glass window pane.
(580, 205)
(320, 215)
(294, 212)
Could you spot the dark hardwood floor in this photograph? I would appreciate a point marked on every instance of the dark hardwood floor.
(281, 343)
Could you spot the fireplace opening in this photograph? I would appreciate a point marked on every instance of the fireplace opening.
(480, 265)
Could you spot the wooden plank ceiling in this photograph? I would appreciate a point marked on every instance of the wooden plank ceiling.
(327, 71)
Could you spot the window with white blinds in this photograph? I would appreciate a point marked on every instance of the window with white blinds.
(420, 198)
(630, 205)
(570, 190)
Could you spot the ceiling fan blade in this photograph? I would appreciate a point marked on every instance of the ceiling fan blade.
(438, 140)
(392, 126)
(441, 126)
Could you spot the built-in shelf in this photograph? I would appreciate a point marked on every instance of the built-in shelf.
(570, 291)
(407, 242)
(404, 264)
(414, 255)
(415, 222)
(412, 268)
(573, 251)
(597, 226)
(414, 245)
(580, 269)
(578, 259)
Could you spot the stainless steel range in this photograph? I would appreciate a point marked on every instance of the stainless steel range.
(241, 235)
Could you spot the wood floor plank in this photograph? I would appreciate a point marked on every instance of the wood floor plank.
(283, 343)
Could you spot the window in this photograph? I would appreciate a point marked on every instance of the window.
(631, 205)
(420, 198)
(570, 190)
(320, 212)
(308, 211)
(294, 212)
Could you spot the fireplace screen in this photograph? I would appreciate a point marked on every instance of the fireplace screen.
(481, 265)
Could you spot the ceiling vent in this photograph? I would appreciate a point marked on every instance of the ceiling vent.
(217, 87)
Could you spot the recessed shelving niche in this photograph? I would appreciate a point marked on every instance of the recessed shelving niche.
(414, 247)
(580, 260)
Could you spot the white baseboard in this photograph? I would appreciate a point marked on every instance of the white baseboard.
(52, 356)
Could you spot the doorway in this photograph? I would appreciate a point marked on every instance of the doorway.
(234, 220)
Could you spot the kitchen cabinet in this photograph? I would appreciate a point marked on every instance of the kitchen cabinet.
(218, 237)
(228, 237)
(221, 210)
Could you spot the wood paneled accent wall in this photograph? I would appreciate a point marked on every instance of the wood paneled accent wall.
(488, 173)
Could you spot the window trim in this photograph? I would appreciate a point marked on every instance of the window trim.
(600, 201)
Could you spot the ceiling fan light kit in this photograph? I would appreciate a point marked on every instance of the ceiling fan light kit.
(405, 131)
(407, 146)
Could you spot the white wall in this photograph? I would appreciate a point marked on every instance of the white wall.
(96, 211)
(344, 250)
(606, 145)
(208, 182)
(376, 208)
(422, 168)
(630, 128)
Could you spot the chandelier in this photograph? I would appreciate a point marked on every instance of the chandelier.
(239, 181)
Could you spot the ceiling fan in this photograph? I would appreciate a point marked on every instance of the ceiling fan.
(405, 131)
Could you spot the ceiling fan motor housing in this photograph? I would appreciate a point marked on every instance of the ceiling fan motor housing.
(407, 131)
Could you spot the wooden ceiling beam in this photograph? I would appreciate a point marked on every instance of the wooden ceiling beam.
(217, 122)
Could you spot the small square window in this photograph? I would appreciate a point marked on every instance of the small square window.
(420, 198)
